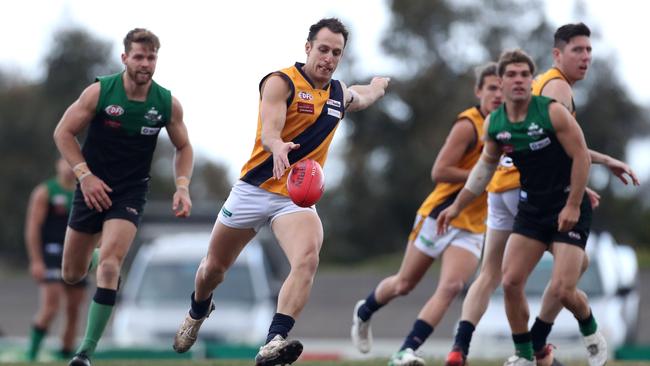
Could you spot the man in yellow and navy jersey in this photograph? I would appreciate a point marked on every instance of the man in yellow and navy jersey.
(299, 109)
(459, 250)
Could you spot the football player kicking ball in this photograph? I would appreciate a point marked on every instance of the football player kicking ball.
(459, 249)
(300, 108)
(553, 210)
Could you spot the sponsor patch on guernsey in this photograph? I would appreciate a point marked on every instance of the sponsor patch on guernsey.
(334, 103)
(538, 145)
(307, 108)
(149, 130)
(334, 112)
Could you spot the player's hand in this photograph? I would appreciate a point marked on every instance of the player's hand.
(568, 217)
(95, 193)
(281, 159)
(37, 270)
(594, 197)
(380, 83)
(620, 169)
(445, 217)
(181, 203)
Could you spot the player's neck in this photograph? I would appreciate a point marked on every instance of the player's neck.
(566, 77)
(517, 110)
(135, 91)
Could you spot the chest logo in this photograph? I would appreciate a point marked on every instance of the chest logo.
(153, 116)
(534, 130)
(334, 103)
(504, 136)
(149, 130)
(334, 112)
(538, 145)
(305, 96)
(307, 108)
(114, 110)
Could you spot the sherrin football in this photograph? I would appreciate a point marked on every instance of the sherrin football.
(306, 183)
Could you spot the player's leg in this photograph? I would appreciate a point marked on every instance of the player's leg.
(458, 265)
(300, 235)
(75, 296)
(502, 208)
(78, 250)
(117, 236)
(564, 280)
(414, 265)
(551, 307)
(50, 293)
(521, 255)
(226, 243)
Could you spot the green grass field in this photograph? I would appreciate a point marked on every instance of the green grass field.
(379, 362)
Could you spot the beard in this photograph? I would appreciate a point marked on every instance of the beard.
(138, 77)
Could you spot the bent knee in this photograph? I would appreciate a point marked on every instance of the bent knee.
(307, 264)
(450, 289)
(405, 286)
(72, 276)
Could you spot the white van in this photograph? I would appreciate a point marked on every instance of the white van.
(156, 294)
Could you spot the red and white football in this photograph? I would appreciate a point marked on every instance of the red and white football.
(306, 183)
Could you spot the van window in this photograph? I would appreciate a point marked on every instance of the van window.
(172, 283)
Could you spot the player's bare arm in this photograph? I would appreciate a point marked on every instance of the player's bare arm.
(75, 119)
(183, 160)
(461, 138)
(36, 214)
(571, 138)
(561, 91)
(359, 97)
(476, 183)
(273, 113)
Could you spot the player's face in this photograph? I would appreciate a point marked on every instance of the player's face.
(140, 63)
(323, 55)
(516, 82)
(574, 59)
(490, 94)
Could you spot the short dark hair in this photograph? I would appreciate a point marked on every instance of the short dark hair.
(141, 35)
(333, 24)
(514, 57)
(564, 34)
(483, 71)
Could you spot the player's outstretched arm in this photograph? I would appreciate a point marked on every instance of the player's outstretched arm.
(620, 169)
(74, 120)
(183, 160)
(359, 97)
(273, 113)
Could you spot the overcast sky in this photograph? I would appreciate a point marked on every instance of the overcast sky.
(213, 54)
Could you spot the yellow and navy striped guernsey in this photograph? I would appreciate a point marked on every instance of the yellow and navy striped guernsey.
(312, 118)
(472, 218)
(506, 176)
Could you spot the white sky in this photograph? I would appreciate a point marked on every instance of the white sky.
(213, 54)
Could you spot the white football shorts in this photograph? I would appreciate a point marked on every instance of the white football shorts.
(426, 239)
(502, 209)
(251, 207)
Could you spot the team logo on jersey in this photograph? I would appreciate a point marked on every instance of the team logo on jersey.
(149, 130)
(307, 108)
(538, 145)
(132, 211)
(305, 96)
(112, 124)
(59, 204)
(114, 110)
(334, 103)
(504, 136)
(506, 161)
(153, 116)
(535, 130)
(334, 112)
